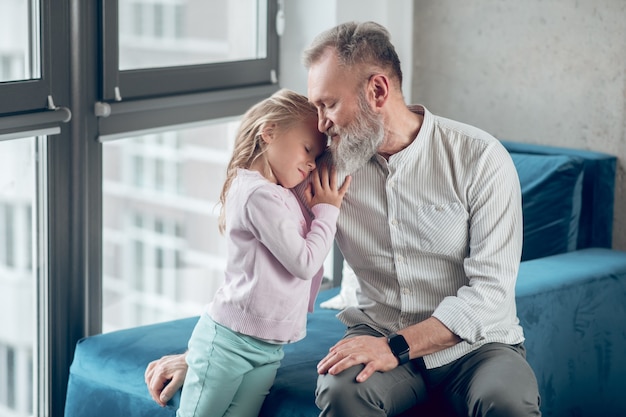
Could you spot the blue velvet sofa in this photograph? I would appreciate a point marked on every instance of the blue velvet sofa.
(571, 299)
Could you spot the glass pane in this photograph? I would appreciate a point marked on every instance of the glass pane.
(163, 256)
(19, 40)
(167, 33)
(17, 276)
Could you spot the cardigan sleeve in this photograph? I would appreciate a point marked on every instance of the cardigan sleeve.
(274, 222)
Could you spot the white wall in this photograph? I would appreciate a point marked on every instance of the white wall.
(545, 72)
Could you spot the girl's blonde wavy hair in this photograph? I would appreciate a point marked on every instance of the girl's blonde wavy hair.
(281, 111)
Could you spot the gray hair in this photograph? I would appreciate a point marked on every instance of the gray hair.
(366, 43)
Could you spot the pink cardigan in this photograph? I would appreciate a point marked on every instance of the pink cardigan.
(275, 259)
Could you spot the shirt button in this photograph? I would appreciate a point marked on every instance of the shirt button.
(400, 258)
(394, 222)
(439, 208)
(406, 291)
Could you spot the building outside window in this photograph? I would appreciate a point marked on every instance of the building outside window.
(19, 261)
(18, 50)
(163, 254)
(18, 278)
(163, 33)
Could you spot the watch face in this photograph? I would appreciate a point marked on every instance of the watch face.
(398, 345)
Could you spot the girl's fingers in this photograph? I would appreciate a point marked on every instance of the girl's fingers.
(315, 178)
(346, 184)
(333, 178)
(324, 179)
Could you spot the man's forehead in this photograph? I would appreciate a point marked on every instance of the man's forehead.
(323, 71)
(326, 85)
(315, 83)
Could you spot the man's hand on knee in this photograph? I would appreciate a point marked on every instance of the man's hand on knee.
(373, 352)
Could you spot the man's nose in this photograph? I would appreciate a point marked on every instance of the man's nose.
(323, 124)
(311, 165)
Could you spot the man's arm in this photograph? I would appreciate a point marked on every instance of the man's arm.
(423, 338)
(165, 376)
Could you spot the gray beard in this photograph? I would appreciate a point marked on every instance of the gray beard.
(358, 142)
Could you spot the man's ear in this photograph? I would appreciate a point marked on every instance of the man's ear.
(379, 89)
(267, 132)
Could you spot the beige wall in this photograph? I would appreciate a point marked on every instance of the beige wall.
(545, 72)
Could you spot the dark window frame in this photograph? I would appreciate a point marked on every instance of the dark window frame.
(31, 94)
(158, 82)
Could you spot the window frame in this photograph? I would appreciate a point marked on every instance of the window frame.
(30, 109)
(31, 94)
(121, 85)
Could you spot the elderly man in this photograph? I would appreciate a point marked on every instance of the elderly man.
(432, 227)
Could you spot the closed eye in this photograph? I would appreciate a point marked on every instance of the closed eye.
(321, 106)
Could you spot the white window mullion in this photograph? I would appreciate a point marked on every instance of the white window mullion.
(22, 374)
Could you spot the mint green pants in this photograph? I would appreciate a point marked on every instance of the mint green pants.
(229, 373)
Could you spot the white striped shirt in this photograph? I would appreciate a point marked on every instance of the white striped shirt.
(437, 231)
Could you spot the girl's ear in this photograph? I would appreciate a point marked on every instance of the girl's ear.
(267, 133)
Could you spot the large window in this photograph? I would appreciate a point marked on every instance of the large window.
(19, 279)
(23, 77)
(110, 160)
(157, 33)
(23, 86)
(163, 255)
(19, 40)
(187, 46)
(177, 72)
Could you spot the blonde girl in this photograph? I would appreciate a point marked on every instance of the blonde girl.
(275, 255)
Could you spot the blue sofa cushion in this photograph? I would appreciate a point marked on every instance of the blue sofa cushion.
(551, 199)
(106, 375)
(572, 307)
(595, 229)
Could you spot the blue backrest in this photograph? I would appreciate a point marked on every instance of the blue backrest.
(595, 219)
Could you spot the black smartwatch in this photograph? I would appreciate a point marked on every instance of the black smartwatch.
(399, 347)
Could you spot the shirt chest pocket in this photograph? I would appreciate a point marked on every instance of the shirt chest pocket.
(443, 229)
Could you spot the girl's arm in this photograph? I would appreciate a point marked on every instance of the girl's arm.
(278, 224)
(279, 229)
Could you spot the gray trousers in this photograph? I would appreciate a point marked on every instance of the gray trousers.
(494, 380)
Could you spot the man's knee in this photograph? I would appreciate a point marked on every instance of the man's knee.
(335, 389)
(503, 402)
(497, 382)
(510, 406)
(342, 395)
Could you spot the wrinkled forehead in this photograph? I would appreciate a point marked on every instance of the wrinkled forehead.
(326, 77)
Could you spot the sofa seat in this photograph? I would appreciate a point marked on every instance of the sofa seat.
(572, 307)
(106, 376)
